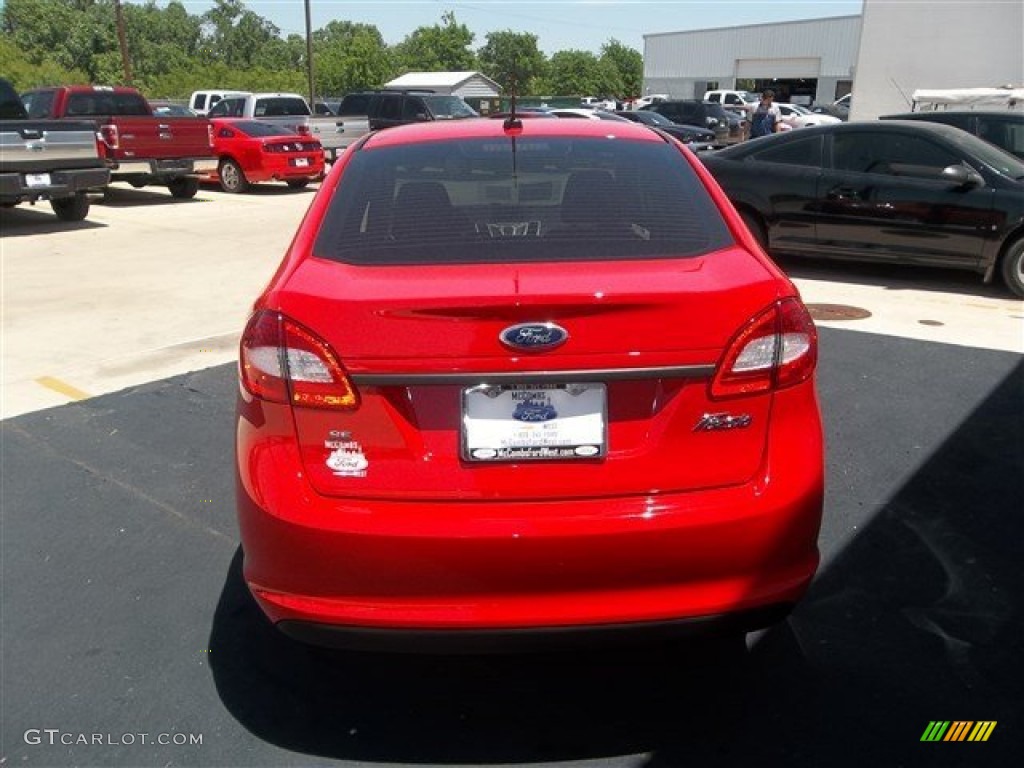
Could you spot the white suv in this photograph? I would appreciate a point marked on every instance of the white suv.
(743, 101)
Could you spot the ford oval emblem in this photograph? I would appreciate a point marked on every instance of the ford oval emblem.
(534, 337)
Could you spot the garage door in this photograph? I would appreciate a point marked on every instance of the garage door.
(754, 69)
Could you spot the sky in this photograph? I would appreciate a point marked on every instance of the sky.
(559, 24)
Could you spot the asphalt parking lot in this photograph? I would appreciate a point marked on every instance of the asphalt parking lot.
(124, 613)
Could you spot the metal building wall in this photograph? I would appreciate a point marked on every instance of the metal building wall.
(680, 63)
(907, 46)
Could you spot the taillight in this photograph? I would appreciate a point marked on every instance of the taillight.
(777, 348)
(282, 361)
(110, 135)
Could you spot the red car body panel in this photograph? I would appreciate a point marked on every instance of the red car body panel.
(303, 158)
(673, 522)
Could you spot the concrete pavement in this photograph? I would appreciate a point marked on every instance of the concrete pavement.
(149, 287)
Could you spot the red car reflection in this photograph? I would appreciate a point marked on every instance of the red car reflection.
(251, 151)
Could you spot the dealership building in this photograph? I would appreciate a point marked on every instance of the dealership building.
(886, 53)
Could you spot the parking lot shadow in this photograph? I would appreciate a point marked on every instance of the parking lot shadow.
(894, 277)
(26, 220)
(918, 619)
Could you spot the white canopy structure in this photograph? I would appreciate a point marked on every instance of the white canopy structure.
(1009, 97)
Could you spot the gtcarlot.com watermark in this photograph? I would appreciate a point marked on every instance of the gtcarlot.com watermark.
(55, 736)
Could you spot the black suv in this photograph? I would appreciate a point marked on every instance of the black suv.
(1004, 129)
(386, 109)
(729, 127)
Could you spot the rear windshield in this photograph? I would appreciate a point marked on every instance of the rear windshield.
(255, 128)
(279, 106)
(451, 107)
(106, 103)
(505, 200)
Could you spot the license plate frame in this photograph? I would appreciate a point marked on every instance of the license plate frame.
(534, 422)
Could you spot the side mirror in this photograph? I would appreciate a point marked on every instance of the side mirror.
(962, 176)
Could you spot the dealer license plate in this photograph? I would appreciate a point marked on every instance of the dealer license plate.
(534, 422)
(37, 179)
(301, 162)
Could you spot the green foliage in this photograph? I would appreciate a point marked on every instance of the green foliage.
(513, 60)
(24, 73)
(629, 65)
(173, 52)
(350, 57)
(582, 73)
(440, 48)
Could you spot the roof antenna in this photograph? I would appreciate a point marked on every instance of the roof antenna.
(513, 124)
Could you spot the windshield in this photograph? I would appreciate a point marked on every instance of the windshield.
(799, 109)
(500, 200)
(255, 128)
(279, 106)
(449, 107)
(748, 97)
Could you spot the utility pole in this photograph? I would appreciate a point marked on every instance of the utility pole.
(309, 60)
(126, 61)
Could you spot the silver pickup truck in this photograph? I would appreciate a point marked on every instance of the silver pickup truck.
(55, 160)
(292, 111)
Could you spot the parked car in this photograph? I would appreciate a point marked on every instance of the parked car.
(466, 393)
(201, 102)
(743, 102)
(390, 108)
(796, 116)
(251, 151)
(584, 113)
(729, 127)
(893, 191)
(171, 108)
(1003, 128)
(839, 108)
(593, 102)
(54, 160)
(139, 146)
(696, 138)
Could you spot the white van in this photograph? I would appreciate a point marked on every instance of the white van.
(201, 101)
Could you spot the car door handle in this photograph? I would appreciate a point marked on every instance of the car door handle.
(843, 193)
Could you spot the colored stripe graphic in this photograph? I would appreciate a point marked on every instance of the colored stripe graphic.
(958, 731)
(935, 730)
(982, 730)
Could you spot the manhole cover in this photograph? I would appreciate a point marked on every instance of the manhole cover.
(837, 312)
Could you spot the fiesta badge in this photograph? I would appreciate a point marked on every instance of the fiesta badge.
(534, 337)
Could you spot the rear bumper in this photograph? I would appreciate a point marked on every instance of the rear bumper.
(15, 187)
(185, 166)
(354, 570)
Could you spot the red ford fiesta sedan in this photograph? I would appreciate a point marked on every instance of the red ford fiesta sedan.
(524, 379)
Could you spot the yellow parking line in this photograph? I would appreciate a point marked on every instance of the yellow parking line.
(62, 388)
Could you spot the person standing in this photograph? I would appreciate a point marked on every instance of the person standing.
(766, 118)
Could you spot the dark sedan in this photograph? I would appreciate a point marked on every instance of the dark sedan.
(729, 128)
(695, 136)
(895, 191)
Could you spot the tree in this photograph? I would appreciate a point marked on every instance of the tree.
(441, 48)
(582, 73)
(628, 63)
(513, 60)
(237, 36)
(350, 57)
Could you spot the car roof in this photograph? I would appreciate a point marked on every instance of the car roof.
(917, 127)
(482, 128)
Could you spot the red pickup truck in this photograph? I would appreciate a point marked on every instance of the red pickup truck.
(141, 148)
